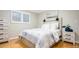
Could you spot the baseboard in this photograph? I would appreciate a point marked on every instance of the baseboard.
(13, 38)
(77, 42)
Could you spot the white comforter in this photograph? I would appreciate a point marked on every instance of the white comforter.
(40, 37)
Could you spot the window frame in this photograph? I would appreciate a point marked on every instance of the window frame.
(12, 21)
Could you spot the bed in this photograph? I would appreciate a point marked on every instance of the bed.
(43, 37)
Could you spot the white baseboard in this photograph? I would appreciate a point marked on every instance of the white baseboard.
(13, 38)
(77, 42)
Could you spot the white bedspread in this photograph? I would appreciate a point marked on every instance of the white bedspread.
(41, 38)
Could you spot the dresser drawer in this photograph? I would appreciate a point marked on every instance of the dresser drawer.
(2, 39)
(3, 30)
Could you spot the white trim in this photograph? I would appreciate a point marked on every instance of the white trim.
(21, 16)
(76, 42)
(13, 38)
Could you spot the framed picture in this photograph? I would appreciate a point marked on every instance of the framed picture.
(19, 17)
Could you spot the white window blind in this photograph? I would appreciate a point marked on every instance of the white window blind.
(19, 17)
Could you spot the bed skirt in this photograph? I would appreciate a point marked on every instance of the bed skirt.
(30, 44)
(27, 42)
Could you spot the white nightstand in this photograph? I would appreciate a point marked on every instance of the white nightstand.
(69, 37)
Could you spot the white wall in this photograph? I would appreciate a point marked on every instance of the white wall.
(15, 28)
(43, 16)
(69, 17)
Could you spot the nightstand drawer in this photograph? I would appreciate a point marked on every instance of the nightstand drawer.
(69, 36)
(67, 39)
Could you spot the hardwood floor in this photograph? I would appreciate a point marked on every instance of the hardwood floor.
(65, 45)
(16, 43)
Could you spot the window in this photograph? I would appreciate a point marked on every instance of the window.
(16, 16)
(19, 17)
(25, 18)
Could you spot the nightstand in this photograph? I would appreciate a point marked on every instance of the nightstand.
(69, 37)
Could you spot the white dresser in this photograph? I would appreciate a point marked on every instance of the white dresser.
(3, 31)
(69, 37)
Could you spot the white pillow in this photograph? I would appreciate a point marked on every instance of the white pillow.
(45, 26)
(54, 26)
(50, 26)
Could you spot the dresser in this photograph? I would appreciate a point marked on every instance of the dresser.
(3, 31)
(69, 37)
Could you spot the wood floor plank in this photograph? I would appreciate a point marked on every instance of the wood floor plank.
(16, 43)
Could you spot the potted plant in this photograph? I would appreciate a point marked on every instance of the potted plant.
(68, 28)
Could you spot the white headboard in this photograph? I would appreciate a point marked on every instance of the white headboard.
(51, 20)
